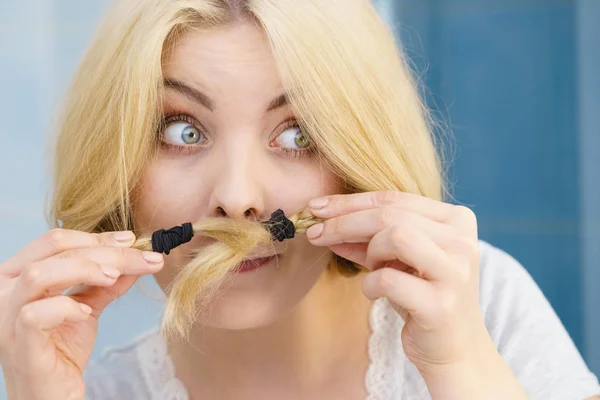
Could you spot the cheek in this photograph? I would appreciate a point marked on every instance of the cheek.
(166, 197)
(294, 189)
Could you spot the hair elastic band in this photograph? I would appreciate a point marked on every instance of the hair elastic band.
(165, 240)
(280, 227)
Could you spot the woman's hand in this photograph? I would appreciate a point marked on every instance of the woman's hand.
(47, 337)
(424, 258)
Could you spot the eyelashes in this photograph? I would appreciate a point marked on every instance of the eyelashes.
(181, 133)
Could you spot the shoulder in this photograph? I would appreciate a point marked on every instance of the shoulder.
(140, 369)
(497, 264)
(502, 277)
(528, 333)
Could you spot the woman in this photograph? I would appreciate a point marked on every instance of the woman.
(184, 110)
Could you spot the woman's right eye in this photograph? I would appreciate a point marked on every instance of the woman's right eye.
(182, 133)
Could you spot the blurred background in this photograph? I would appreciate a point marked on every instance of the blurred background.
(517, 82)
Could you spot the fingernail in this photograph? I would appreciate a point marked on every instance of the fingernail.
(153, 257)
(111, 272)
(85, 308)
(124, 237)
(314, 231)
(317, 204)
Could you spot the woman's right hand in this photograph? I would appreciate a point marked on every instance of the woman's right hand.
(46, 335)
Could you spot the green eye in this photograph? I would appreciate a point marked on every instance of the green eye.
(191, 135)
(294, 138)
(183, 133)
(301, 140)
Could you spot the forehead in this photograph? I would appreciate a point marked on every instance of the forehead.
(235, 56)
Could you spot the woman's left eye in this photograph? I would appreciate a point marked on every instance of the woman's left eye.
(182, 134)
(293, 138)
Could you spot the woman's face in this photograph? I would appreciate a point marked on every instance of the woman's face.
(231, 148)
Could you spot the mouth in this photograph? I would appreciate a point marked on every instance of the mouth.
(254, 263)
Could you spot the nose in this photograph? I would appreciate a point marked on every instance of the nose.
(238, 191)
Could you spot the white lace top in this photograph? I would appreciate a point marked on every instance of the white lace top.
(524, 327)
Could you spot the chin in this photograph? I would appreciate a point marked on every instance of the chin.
(259, 313)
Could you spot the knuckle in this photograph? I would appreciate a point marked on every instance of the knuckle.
(98, 239)
(400, 238)
(389, 215)
(32, 275)
(385, 280)
(56, 238)
(388, 197)
(28, 316)
(465, 213)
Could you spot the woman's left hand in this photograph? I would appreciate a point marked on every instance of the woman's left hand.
(424, 258)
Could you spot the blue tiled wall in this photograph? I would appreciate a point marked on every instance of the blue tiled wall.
(504, 73)
(588, 34)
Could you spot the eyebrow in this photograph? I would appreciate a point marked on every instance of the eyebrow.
(279, 102)
(195, 94)
(201, 98)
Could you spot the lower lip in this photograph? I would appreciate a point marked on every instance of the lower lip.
(251, 265)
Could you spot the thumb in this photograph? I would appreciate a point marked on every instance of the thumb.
(355, 252)
(100, 297)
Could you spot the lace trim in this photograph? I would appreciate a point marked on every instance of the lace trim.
(158, 370)
(376, 380)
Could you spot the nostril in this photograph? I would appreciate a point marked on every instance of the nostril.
(250, 213)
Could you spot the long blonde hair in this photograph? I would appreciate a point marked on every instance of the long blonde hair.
(345, 77)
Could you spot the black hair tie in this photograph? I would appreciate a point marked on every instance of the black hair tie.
(163, 240)
(280, 226)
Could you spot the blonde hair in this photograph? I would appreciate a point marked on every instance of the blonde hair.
(345, 78)
(236, 240)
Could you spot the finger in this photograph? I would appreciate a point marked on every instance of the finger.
(403, 290)
(362, 226)
(57, 241)
(127, 260)
(99, 297)
(53, 276)
(37, 319)
(355, 252)
(99, 266)
(413, 248)
(336, 205)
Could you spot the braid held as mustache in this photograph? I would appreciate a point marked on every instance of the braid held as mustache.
(202, 275)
